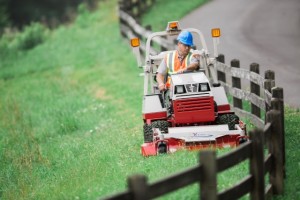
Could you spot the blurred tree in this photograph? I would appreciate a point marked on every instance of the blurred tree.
(4, 18)
(49, 12)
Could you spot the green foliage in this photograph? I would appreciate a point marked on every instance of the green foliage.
(51, 12)
(7, 43)
(82, 9)
(292, 152)
(30, 37)
(4, 19)
(33, 35)
(82, 19)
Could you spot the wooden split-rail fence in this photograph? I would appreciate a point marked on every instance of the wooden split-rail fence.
(266, 111)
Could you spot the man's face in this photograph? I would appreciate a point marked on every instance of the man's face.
(183, 49)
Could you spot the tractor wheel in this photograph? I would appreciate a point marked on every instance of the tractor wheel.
(230, 119)
(148, 132)
(162, 148)
(162, 125)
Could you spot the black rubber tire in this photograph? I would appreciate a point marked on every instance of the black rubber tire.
(162, 125)
(242, 140)
(148, 132)
(230, 119)
(162, 148)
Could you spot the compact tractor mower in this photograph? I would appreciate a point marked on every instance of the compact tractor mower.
(194, 112)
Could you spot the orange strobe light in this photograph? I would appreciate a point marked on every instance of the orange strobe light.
(135, 42)
(173, 25)
(215, 32)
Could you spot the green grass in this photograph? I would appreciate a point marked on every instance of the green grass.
(70, 117)
(168, 10)
(292, 137)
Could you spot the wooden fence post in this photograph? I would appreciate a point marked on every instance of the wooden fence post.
(269, 83)
(137, 184)
(148, 4)
(141, 6)
(277, 173)
(278, 104)
(257, 165)
(236, 83)
(134, 9)
(121, 4)
(128, 6)
(269, 74)
(208, 182)
(221, 75)
(255, 89)
(121, 22)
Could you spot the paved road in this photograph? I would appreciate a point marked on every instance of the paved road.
(262, 31)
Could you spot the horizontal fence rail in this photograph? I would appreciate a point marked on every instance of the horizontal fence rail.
(257, 83)
(262, 97)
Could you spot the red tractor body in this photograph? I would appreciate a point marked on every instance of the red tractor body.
(194, 110)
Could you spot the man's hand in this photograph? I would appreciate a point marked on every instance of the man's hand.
(181, 71)
(161, 87)
(196, 56)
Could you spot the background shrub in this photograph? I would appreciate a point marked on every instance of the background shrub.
(32, 36)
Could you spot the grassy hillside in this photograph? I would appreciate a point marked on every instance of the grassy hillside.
(70, 115)
(65, 107)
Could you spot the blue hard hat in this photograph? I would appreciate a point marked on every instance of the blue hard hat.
(186, 38)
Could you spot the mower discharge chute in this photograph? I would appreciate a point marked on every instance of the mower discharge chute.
(194, 113)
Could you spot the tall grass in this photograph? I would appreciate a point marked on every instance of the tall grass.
(70, 116)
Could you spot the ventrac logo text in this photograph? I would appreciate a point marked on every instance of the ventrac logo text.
(201, 135)
(192, 87)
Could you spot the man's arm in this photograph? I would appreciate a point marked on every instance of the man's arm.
(193, 66)
(160, 75)
(195, 63)
(160, 78)
(190, 68)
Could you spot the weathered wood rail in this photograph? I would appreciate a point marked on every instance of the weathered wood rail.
(259, 95)
(262, 97)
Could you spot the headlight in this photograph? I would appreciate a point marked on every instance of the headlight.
(204, 87)
(179, 89)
